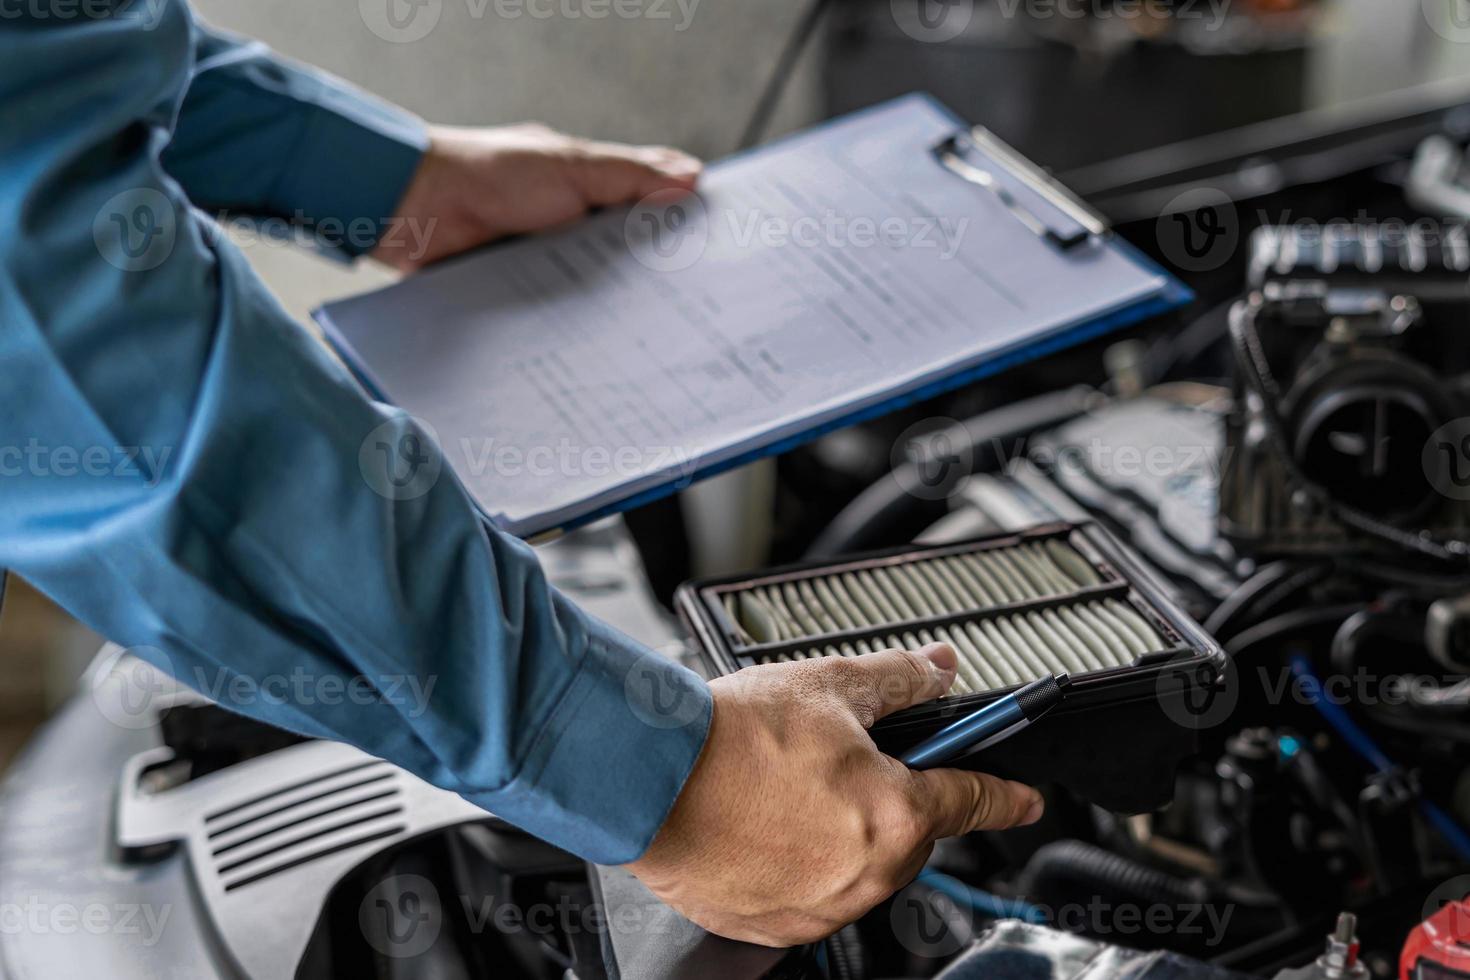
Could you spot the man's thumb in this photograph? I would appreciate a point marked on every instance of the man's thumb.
(878, 684)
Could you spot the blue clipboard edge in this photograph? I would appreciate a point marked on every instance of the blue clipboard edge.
(1174, 295)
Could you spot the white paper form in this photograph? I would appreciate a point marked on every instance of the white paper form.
(816, 278)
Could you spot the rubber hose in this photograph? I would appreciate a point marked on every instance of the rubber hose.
(884, 504)
(846, 958)
(1059, 873)
(1061, 869)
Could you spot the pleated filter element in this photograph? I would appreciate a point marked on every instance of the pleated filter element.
(1014, 610)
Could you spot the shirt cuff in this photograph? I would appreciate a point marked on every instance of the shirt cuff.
(352, 166)
(613, 756)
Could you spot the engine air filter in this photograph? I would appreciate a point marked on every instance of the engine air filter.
(1061, 598)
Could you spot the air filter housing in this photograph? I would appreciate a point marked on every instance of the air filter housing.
(1060, 598)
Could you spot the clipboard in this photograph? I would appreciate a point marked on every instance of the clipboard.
(995, 305)
(954, 152)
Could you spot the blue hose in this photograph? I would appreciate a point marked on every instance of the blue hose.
(981, 902)
(1362, 743)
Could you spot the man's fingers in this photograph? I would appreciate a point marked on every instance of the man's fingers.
(876, 685)
(612, 173)
(959, 802)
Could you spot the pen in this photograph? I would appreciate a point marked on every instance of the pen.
(990, 725)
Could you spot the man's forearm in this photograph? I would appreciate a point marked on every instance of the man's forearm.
(260, 134)
(248, 533)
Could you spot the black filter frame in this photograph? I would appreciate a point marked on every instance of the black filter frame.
(1116, 741)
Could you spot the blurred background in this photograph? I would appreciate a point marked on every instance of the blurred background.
(1069, 82)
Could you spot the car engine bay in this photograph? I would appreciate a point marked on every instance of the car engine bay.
(1285, 463)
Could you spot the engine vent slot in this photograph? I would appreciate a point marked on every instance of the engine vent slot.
(303, 822)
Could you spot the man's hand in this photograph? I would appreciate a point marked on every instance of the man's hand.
(477, 185)
(793, 824)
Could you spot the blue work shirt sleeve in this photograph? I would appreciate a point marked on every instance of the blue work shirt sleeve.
(190, 472)
(259, 134)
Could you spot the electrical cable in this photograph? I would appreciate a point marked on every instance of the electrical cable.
(978, 901)
(1263, 592)
(1428, 698)
(770, 97)
(1362, 743)
(1403, 578)
(982, 441)
(1286, 624)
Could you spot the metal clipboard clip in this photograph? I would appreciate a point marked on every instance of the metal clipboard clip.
(952, 151)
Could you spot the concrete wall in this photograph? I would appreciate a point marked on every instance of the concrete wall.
(682, 72)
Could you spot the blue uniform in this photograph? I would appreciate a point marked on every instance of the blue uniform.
(182, 466)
